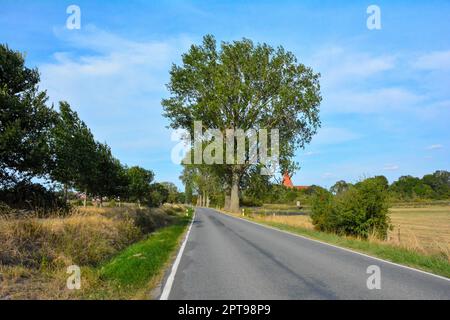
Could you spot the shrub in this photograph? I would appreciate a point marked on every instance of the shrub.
(360, 211)
(33, 197)
(323, 211)
(251, 202)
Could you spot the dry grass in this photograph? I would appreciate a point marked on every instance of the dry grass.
(295, 221)
(35, 252)
(425, 229)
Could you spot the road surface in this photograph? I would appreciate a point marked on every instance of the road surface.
(229, 258)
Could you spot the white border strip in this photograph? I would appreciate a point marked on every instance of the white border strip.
(171, 278)
(338, 247)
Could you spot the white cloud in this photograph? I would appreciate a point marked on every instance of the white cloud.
(112, 72)
(435, 147)
(391, 167)
(310, 153)
(350, 83)
(339, 66)
(116, 85)
(373, 101)
(332, 135)
(438, 60)
(328, 175)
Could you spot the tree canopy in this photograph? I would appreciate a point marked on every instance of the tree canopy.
(25, 120)
(242, 85)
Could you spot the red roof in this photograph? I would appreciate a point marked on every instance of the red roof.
(287, 182)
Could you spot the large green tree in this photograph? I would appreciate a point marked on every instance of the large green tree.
(25, 120)
(242, 85)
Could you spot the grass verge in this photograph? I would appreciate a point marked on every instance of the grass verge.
(436, 264)
(134, 272)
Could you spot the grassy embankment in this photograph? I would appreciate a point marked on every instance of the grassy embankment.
(122, 252)
(420, 237)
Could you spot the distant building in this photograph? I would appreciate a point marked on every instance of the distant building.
(287, 182)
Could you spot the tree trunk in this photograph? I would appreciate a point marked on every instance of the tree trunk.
(207, 201)
(204, 199)
(85, 198)
(226, 205)
(234, 197)
(65, 193)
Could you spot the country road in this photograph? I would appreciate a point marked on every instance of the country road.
(229, 258)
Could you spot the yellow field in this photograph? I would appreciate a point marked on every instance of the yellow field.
(425, 229)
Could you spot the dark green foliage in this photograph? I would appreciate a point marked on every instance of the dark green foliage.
(323, 211)
(360, 211)
(25, 121)
(139, 180)
(243, 85)
(34, 197)
(148, 221)
(36, 141)
(340, 187)
(173, 192)
(431, 186)
(158, 195)
(74, 151)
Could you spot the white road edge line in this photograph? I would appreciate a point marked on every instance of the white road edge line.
(171, 278)
(338, 247)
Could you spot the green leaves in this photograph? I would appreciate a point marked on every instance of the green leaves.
(242, 85)
(25, 120)
(359, 210)
(139, 181)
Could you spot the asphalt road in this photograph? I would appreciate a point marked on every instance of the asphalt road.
(228, 258)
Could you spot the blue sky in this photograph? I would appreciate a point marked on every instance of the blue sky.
(386, 97)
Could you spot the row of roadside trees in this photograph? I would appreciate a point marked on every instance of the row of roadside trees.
(39, 143)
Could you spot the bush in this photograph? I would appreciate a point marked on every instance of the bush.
(360, 211)
(323, 211)
(251, 202)
(33, 197)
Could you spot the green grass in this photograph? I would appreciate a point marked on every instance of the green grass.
(132, 273)
(434, 264)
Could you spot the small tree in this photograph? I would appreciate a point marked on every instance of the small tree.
(339, 187)
(158, 194)
(139, 180)
(173, 192)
